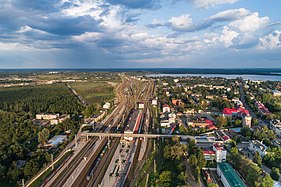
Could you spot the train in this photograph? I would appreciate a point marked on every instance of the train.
(95, 164)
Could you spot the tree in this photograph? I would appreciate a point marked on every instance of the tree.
(221, 121)
(255, 121)
(237, 122)
(30, 168)
(246, 132)
(253, 173)
(213, 185)
(2, 171)
(165, 178)
(264, 181)
(257, 159)
(201, 162)
(193, 161)
(43, 136)
(275, 174)
(197, 173)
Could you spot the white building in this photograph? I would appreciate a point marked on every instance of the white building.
(220, 152)
(47, 116)
(164, 123)
(141, 105)
(276, 93)
(247, 121)
(154, 102)
(257, 146)
(106, 105)
(166, 108)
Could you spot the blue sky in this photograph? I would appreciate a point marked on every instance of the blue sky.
(140, 33)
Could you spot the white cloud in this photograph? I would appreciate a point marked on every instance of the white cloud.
(231, 14)
(211, 3)
(250, 23)
(271, 41)
(228, 36)
(182, 22)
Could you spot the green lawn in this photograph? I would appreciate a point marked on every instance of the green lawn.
(94, 92)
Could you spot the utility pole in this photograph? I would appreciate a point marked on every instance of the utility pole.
(22, 181)
(108, 142)
(52, 160)
(75, 141)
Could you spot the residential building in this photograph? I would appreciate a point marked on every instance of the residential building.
(154, 102)
(141, 105)
(276, 93)
(55, 141)
(106, 106)
(247, 121)
(166, 108)
(209, 155)
(228, 175)
(177, 102)
(220, 152)
(275, 125)
(235, 112)
(261, 108)
(257, 146)
(47, 116)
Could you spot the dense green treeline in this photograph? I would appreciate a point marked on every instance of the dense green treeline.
(20, 158)
(46, 98)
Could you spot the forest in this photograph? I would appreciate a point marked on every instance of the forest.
(20, 158)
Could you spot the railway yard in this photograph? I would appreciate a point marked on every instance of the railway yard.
(109, 161)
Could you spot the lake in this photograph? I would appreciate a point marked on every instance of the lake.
(245, 77)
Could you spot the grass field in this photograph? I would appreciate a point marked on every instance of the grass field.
(94, 92)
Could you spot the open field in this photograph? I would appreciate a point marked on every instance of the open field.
(94, 92)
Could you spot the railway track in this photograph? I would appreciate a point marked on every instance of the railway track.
(127, 99)
(103, 165)
(62, 178)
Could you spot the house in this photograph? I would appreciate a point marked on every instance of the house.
(210, 96)
(261, 108)
(166, 108)
(247, 121)
(209, 155)
(228, 176)
(106, 106)
(55, 141)
(257, 146)
(47, 116)
(176, 80)
(141, 105)
(220, 152)
(60, 119)
(177, 102)
(164, 123)
(235, 112)
(276, 93)
(41, 122)
(275, 125)
(154, 102)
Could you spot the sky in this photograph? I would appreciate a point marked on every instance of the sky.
(140, 34)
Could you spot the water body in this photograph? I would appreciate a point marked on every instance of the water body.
(245, 77)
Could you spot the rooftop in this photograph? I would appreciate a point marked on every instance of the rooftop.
(259, 145)
(231, 176)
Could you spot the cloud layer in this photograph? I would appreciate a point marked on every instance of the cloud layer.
(128, 33)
